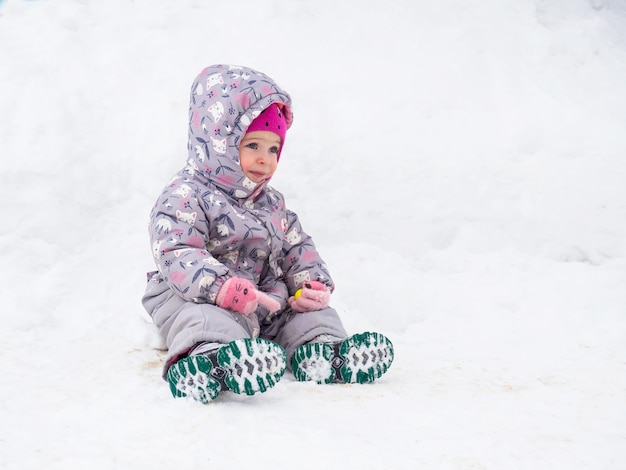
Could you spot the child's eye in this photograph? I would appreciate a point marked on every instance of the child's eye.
(252, 146)
(274, 149)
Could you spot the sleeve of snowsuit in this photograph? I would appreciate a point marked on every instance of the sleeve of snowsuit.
(179, 236)
(301, 261)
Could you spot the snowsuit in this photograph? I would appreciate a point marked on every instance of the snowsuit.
(211, 223)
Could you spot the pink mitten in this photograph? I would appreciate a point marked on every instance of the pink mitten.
(241, 296)
(312, 296)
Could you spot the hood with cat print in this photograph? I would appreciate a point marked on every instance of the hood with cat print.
(224, 100)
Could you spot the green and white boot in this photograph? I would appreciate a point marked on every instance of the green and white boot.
(242, 366)
(362, 358)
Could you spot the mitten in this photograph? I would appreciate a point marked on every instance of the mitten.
(313, 295)
(241, 296)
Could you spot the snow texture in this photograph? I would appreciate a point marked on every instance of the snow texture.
(470, 155)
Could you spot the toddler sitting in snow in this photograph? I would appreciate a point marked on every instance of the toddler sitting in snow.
(241, 292)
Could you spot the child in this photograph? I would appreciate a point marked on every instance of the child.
(241, 293)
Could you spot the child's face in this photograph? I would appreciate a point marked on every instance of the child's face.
(258, 155)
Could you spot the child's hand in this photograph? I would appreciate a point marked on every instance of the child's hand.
(241, 296)
(312, 296)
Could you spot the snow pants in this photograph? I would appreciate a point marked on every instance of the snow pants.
(184, 324)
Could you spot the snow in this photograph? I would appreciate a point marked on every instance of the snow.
(460, 165)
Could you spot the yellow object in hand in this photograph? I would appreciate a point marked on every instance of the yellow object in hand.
(297, 294)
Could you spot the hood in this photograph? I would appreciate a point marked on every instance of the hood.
(224, 100)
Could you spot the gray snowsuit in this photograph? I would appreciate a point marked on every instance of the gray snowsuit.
(211, 223)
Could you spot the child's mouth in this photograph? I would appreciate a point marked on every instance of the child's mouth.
(258, 176)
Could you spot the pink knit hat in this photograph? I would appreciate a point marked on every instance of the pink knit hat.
(271, 119)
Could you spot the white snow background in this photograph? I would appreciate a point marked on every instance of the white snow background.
(459, 163)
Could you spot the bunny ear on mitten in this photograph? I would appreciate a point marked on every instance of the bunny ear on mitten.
(268, 302)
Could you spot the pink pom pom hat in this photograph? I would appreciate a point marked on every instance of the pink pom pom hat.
(271, 119)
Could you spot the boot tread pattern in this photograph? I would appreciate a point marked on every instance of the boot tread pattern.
(362, 358)
(242, 366)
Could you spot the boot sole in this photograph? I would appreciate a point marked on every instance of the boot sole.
(362, 358)
(242, 366)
